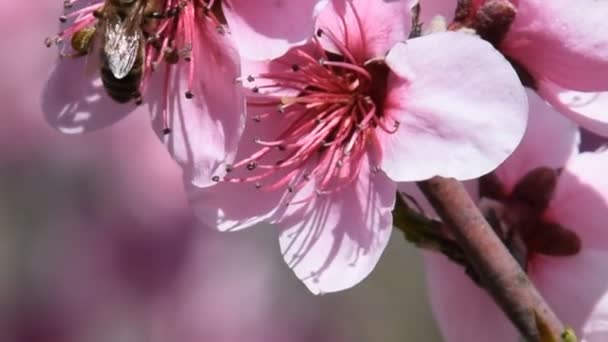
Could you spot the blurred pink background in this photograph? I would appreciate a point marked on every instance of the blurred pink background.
(97, 242)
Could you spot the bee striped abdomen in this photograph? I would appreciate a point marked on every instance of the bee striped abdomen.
(125, 89)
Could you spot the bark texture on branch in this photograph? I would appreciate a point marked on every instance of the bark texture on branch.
(499, 272)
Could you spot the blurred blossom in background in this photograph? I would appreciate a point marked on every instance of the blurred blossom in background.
(97, 242)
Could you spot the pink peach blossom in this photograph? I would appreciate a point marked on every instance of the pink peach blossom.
(564, 237)
(335, 122)
(562, 44)
(189, 67)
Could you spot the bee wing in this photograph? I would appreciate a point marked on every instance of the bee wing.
(121, 46)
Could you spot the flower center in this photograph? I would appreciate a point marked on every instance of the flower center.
(519, 217)
(152, 33)
(327, 107)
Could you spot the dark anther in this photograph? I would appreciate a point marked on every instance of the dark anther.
(189, 94)
(63, 19)
(215, 178)
(257, 118)
(250, 78)
(281, 147)
(252, 165)
(289, 189)
(319, 32)
(295, 67)
(229, 167)
(166, 131)
(258, 185)
(255, 90)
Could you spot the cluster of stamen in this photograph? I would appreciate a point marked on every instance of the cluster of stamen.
(330, 121)
(168, 31)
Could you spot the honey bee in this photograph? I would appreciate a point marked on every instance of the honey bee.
(123, 29)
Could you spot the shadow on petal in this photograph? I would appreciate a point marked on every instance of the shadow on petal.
(74, 100)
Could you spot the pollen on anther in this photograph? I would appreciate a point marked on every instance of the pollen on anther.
(215, 178)
(189, 94)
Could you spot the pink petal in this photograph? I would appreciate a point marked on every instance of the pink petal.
(463, 311)
(461, 113)
(335, 241)
(581, 199)
(230, 207)
(563, 41)
(205, 130)
(260, 27)
(550, 140)
(586, 109)
(367, 28)
(235, 206)
(74, 100)
(577, 289)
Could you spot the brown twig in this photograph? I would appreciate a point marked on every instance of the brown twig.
(499, 272)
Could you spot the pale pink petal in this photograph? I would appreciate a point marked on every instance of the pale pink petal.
(265, 29)
(230, 207)
(550, 140)
(335, 241)
(580, 202)
(461, 113)
(589, 110)
(367, 28)
(206, 129)
(463, 311)
(563, 41)
(576, 287)
(74, 100)
(233, 206)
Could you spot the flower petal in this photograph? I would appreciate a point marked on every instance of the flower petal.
(367, 28)
(450, 292)
(580, 279)
(461, 113)
(563, 41)
(261, 30)
(550, 140)
(589, 110)
(74, 100)
(206, 129)
(335, 241)
(231, 207)
(580, 202)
